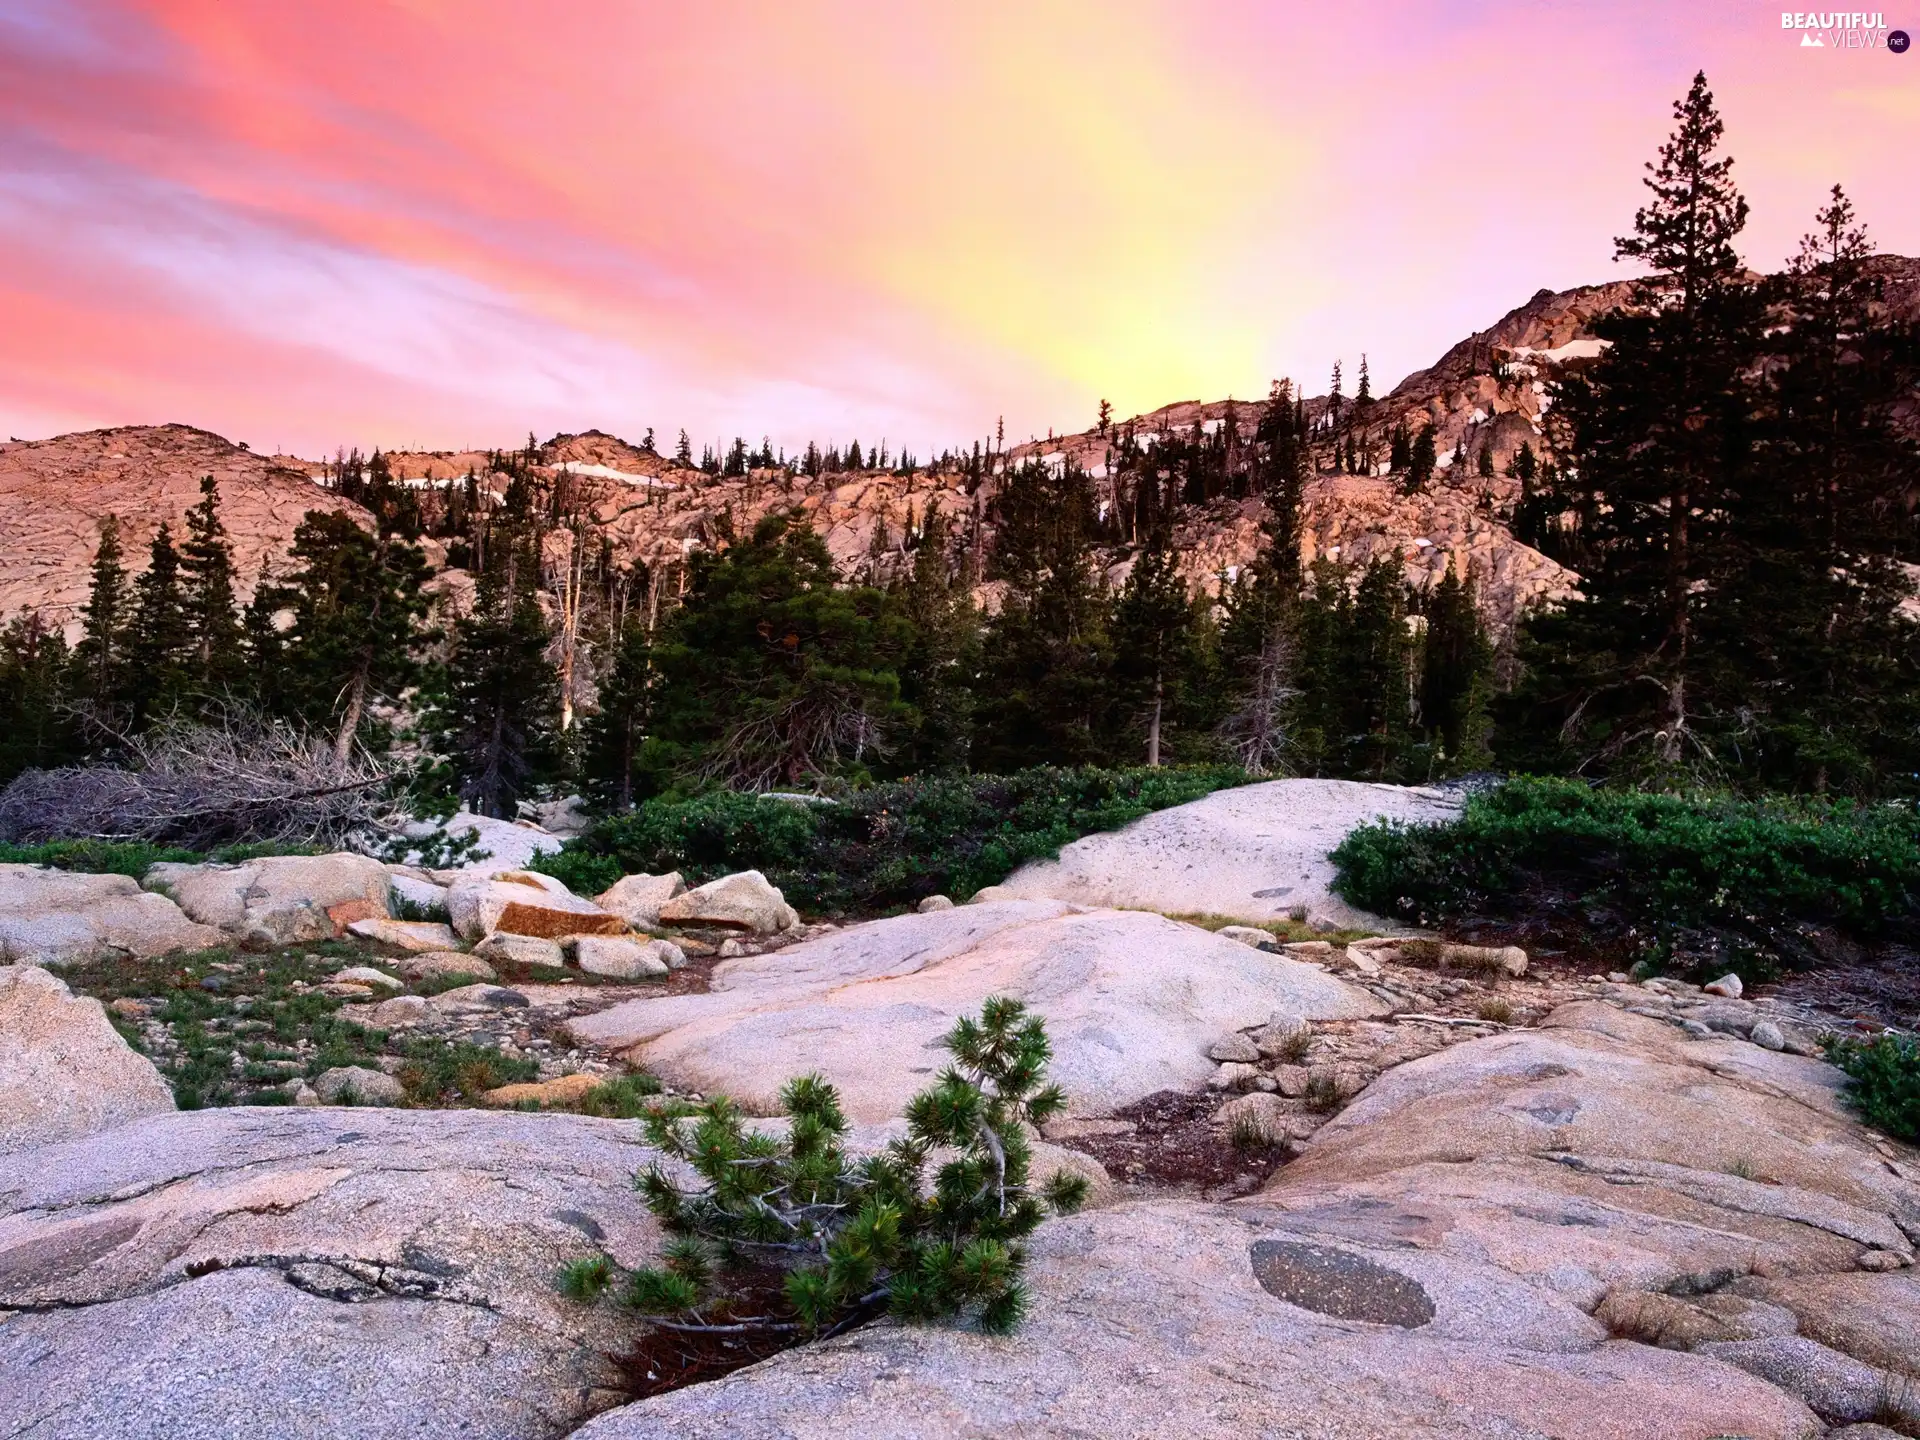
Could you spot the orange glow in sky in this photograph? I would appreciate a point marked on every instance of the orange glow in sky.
(450, 222)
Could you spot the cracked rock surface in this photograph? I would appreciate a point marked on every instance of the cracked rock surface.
(280, 1272)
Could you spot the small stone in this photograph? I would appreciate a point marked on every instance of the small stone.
(1364, 962)
(1618, 977)
(1235, 1047)
(400, 1012)
(1696, 1029)
(1309, 949)
(933, 903)
(475, 999)
(358, 1084)
(1728, 985)
(1768, 1036)
(1879, 1262)
(521, 950)
(1265, 1083)
(133, 1009)
(1261, 1113)
(1256, 937)
(1233, 1076)
(367, 975)
(731, 949)
(1279, 1035)
(440, 964)
(346, 989)
(1291, 1080)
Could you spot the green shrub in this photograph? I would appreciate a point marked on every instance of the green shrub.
(1716, 877)
(1883, 1081)
(794, 1229)
(132, 857)
(883, 847)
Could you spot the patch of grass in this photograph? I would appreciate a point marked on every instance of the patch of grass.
(1883, 1081)
(625, 1097)
(436, 1070)
(135, 858)
(1499, 1011)
(1249, 1134)
(1695, 881)
(1295, 1046)
(884, 847)
(1324, 1093)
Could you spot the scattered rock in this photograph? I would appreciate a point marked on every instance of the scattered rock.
(524, 902)
(439, 964)
(1252, 935)
(620, 958)
(521, 950)
(933, 903)
(1279, 1035)
(744, 901)
(1291, 1080)
(637, 899)
(731, 949)
(1321, 950)
(400, 1013)
(57, 917)
(64, 1070)
(1728, 985)
(417, 936)
(1871, 1316)
(281, 900)
(1234, 1046)
(1233, 1076)
(1271, 1120)
(367, 975)
(477, 999)
(1880, 1262)
(1768, 1036)
(559, 1092)
(1729, 1017)
(989, 895)
(357, 1085)
(1509, 960)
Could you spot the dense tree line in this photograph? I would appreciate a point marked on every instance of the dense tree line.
(1726, 479)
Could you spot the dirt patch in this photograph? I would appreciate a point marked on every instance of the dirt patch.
(1175, 1145)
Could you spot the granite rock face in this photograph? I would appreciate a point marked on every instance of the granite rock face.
(314, 1272)
(1131, 1001)
(58, 917)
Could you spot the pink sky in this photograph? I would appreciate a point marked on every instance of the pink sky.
(450, 222)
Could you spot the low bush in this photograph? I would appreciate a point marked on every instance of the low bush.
(1883, 1081)
(884, 847)
(132, 857)
(1695, 880)
(791, 1235)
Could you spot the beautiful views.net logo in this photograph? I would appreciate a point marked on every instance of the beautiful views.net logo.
(1844, 30)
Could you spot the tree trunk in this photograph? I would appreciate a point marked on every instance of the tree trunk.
(1153, 727)
(350, 722)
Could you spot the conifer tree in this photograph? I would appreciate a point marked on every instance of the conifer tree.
(942, 659)
(159, 644)
(1525, 465)
(1421, 461)
(206, 568)
(1363, 392)
(1485, 463)
(1456, 677)
(1399, 449)
(357, 614)
(1153, 639)
(1658, 441)
(499, 718)
(683, 452)
(1377, 675)
(616, 731)
(36, 730)
(101, 657)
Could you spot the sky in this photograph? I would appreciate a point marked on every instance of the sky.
(449, 223)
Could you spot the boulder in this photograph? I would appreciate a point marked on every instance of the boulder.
(400, 1013)
(1835, 1387)
(1728, 985)
(439, 964)
(524, 902)
(357, 1085)
(1874, 1318)
(1223, 1322)
(990, 895)
(419, 936)
(64, 1070)
(1251, 854)
(637, 899)
(427, 898)
(623, 959)
(281, 900)
(498, 844)
(281, 1273)
(367, 975)
(58, 917)
(933, 903)
(745, 901)
(521, 950)
(476, 1000)
(1131, 1001)
(1234, 1046)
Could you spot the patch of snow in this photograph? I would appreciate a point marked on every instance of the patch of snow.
(1572, 350)
(607, 472)
(1479, 416)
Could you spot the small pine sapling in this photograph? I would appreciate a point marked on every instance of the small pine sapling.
(793, 1235)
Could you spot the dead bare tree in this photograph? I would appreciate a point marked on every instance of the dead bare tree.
(1256, 732)
(241, 780)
